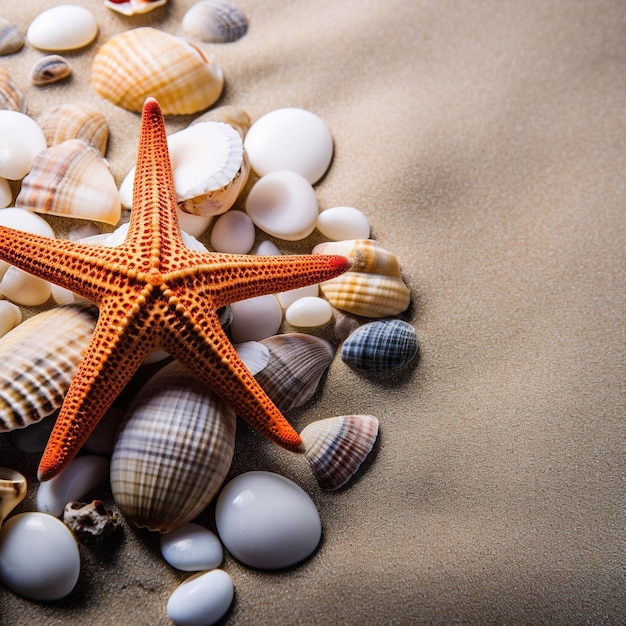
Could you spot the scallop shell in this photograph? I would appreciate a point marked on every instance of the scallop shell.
(71, 179)
(39, 358)
(50, 69)
(373, 287)
(133, 7)
(11, 39)
(146, 62)
(215, 21)
(172, 452)
(230, 114)
(75, 121)
(13, 489)
(11, 98)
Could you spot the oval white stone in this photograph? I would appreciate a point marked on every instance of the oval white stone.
(192, 548)
(268, 248)
(267, 521)
(39, 558)
(287, 298)
(290, 139)
(10, 316)
(21, 139)
(64, 27)
(233, 232)
(255, 319)
(343, 222)
(202, 599)
(23, 288)
(309, 312)
(283, 204)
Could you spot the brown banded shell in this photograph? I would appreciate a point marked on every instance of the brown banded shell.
(373, 287)
(172, 452)
(11, 39)
(146, 62)
(11, 97)
(215, 21)
(50, 69)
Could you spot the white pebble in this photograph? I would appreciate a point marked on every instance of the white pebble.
(21, 140)
(283, 204)
(193, 225)
(268, 248)
(6, 196)
(192, 548)
(267, 521)
(309, 312)
(62, 295)
(39, 558)
(64, 27)
(287, 298)
(290, 139)
(79, 478)
(255, 319)
(343, 222)
(201, 600)
(23, 288)
(10, 317)
(233, 232)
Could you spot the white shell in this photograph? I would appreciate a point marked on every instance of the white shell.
(13, 488)
(23, 288)
(194, 225)
(255, 318)
(268, 248)
(50, 69)
(290, 139)
(64, 27)
(233, 232)
(283, 204)
(215, 21)
(10, 317)
(287, 298)
(6, 195)
(11, 39)
(133, 7)
(343, 222)
(192, 548)
(309, 312)
(21, 140)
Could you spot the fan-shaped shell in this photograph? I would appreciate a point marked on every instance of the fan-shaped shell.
(146, 62)
(215, 21)
(11, 97)
(11, 39)
(172, 452)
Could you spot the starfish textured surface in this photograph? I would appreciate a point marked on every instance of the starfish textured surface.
(154, 292)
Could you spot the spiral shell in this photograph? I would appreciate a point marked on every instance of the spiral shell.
(146, 62)
(11, 97)
(215, 21)
(11, 39)
(373, 287)
(172, 452)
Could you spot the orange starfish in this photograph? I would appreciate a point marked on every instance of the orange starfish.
(154, 292)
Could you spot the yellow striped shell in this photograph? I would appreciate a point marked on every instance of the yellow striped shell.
(146, 62)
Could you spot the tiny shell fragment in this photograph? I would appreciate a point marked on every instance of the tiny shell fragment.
(63, 27)
(90, 522)
(50, 69)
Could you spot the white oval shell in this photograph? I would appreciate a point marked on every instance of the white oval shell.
(255, 318)
(192, 548)
(13, 488)
(343, 222)
(6, 195)
(10, 317)
(287, 298)
(215, 21)
(64, 27)
(21, 140)
(309, 312)
(24, 288)
(233, 232)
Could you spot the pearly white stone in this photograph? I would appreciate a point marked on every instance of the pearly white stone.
(290, 139)
(233, 232)
(193, 225)
(64, 27)
(309, 312)
(267, 521)
(343, 222)
(201, 600)
(283, 204)
(21, 140)
(268, 248)
(255, 319)
(23, 288)
(287, 298)
(39, 558)
(10, 317)
(192, 548)
(6, 196)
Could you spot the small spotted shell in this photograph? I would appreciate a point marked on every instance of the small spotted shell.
(11, 39)
(215, 21)
(50, 69)
(11, 97)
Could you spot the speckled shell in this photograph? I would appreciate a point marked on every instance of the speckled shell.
(71, 179)
(172, 452)
(215, 21)
(11, 97)
(39, 358)
(75, 121)
(146, 62)
(11, 39)
(381, 346)
(373, 287)
(50, 69)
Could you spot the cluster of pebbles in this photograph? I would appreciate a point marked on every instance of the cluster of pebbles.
(61, 170)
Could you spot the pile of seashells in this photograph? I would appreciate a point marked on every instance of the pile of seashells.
(58, 164)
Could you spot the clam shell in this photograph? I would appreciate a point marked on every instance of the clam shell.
(172, 452)
(75, 121)
(50, 69)
(11, 39)
(230, 114)
(39, 358)
(215, 21)
(373, 287)
(13, 489)
(11, 97)
(134, 7)
(146, 62)
(71, 179)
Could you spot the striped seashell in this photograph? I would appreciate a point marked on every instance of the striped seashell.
(296, 364)
(133, 7)
(11, 97)
(353, 435)
(39, 358)
(71, 179)
(172, 451)
(381, 346)
(146, 62)
(230, 114)
(373, 287)
(50, 69)
(215, 21)
(75, 121)
(11, 39)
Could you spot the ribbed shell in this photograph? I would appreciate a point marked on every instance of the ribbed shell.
(39, 358)
(11, 39)
(172, 452)
(146, 62)
(215, 21)
(50, 69)
(11, 97)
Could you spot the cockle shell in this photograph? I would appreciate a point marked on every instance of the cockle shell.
(11, 39)
(172, 452)
(50, 69)
(215, 21)
(373, 287)
(146, 62)
(75, 121)
(71, 179)
(39, 358)
(133, 7)
(11, 97)
(13, 489)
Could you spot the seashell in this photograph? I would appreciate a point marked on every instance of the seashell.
(39, 358)
(75, 121)
(133, 7)
(21, 140)
(50, 69)
(215, 21)
(13, 487)
(296, 364)
(192, 548)
(343, 222)
(6, 194)
(255, 318)
(172, 452)
(71, 179)
(287, 298)
(146, 62)
(357, 434)
(10, 317)
(23, 288)
(90, 521)
(230, 114)
(373, 287)
(11, 39)
(233, 232)
(63, 27)
(11, 97)
(309, 312)
(381, 346)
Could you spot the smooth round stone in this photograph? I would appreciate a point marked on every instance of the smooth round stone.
(255, 319)
(10, 317)
(6, 196)
(192, 548)
(287, 298)
(343, 222)
(64, 27)
(233, 232)
(193, 225)
(283, 204)
(23, 288)
(268, 248)
(309, 312)
(202, 599)
(21, 139)
(290, 139)
(267, 521)
(39, 558)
